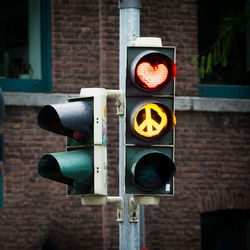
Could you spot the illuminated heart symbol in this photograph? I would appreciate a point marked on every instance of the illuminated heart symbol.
(152, 76)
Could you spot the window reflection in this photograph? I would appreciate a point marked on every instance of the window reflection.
(20, 39)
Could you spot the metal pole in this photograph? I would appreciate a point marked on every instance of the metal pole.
(129, 30)
(142, 227)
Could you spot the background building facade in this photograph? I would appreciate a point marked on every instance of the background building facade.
(212, 135)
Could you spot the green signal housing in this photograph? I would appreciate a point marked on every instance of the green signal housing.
(74, 168)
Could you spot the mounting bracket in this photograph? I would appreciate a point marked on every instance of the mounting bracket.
(119, 203)
(119, 97)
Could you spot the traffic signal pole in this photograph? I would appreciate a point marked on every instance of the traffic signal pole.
(129, 31)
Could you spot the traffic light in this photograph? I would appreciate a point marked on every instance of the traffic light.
(83, 121)
(150, 119)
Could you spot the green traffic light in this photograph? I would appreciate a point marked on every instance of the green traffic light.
(83, 120)
(74, 168)
(150, 170)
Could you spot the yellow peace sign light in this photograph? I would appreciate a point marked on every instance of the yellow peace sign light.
(150, 120)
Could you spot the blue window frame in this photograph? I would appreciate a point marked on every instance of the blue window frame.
(25, 54)
(224, 91)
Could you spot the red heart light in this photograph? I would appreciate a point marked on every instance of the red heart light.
(152, 76)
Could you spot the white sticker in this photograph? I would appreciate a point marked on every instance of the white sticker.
(168, 188)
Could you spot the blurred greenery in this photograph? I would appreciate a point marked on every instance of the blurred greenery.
(222, 40)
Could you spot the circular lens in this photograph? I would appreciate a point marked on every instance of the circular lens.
(79, 137)
(152, 70)
(153, 171)
(150, 121)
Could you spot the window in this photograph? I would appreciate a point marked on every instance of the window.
(25, 63)
(224, 48)
(225, 230)
(1, 164)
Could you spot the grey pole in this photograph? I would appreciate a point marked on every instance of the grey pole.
(129, 30)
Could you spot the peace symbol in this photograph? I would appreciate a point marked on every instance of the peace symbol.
(150, 120)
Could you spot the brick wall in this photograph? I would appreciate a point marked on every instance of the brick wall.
(211, 148)
(75, 45)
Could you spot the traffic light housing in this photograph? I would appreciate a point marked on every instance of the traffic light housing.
(150, 120)
(83, 168)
